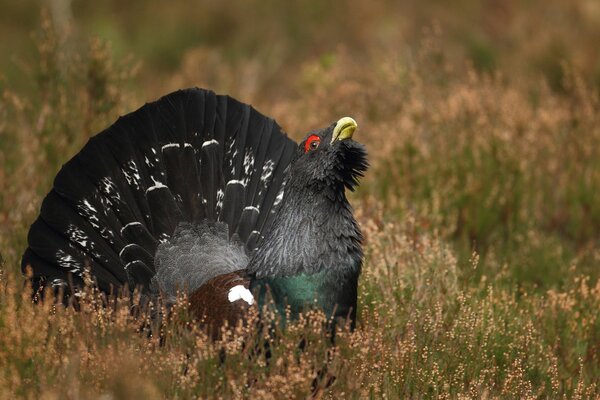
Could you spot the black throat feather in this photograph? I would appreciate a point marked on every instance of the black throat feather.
(314, 229)
(313, 249)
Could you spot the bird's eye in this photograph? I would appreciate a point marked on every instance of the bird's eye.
(312, 143)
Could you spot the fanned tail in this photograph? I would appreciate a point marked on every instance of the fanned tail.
(191, 156)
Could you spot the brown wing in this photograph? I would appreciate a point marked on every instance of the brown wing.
(225, 298)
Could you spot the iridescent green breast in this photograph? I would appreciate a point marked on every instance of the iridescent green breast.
(297, 292)
(328, 291)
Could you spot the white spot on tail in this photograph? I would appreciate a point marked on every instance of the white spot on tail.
(231, 156)
(132, 174)
(87, 210)
(155, 181)
(209, 142)
(220, 195)
(231, 146)
(267, 171)
(248, 165)
(108, 187)
(175, 145)
(68, 262)
(124, 247)
(279, 197)
(130, 263)
(236, 182)
(157, 186)
(130, 224)
(58, 283)
(88, 206)
(239, 292)
(167, 146)
(248, 161)
(77, 235)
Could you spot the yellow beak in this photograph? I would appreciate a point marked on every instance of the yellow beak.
(344, 129)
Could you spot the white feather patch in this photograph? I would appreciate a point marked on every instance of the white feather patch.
(209, 142)
(235, 182)
(158, 185)
(130, 224)
(239, 292)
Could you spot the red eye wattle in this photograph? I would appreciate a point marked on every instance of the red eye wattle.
(312, 143)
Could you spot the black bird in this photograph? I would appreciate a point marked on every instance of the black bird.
(200, 192)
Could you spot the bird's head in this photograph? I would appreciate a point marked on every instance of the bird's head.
(329, 158)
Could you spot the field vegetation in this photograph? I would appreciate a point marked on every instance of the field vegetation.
(481, 210)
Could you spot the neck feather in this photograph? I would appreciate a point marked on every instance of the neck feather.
(314, 231)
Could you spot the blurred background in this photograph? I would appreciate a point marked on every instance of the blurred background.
(481, 210)
(481, 117)
(264, 43)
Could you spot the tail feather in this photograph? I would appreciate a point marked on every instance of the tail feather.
(137, 233)
(247, 222)
(134, 252)
(49, 245)
(253, 240)
(237, 122)
(46, 273)
(182, 176)
(211, 178)
(233, 204)
(82, 238)
(75, 185)
(188, 157)
(254, 161)
(139, 274)
(164, 209)
(116, 195)
(272, 181)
